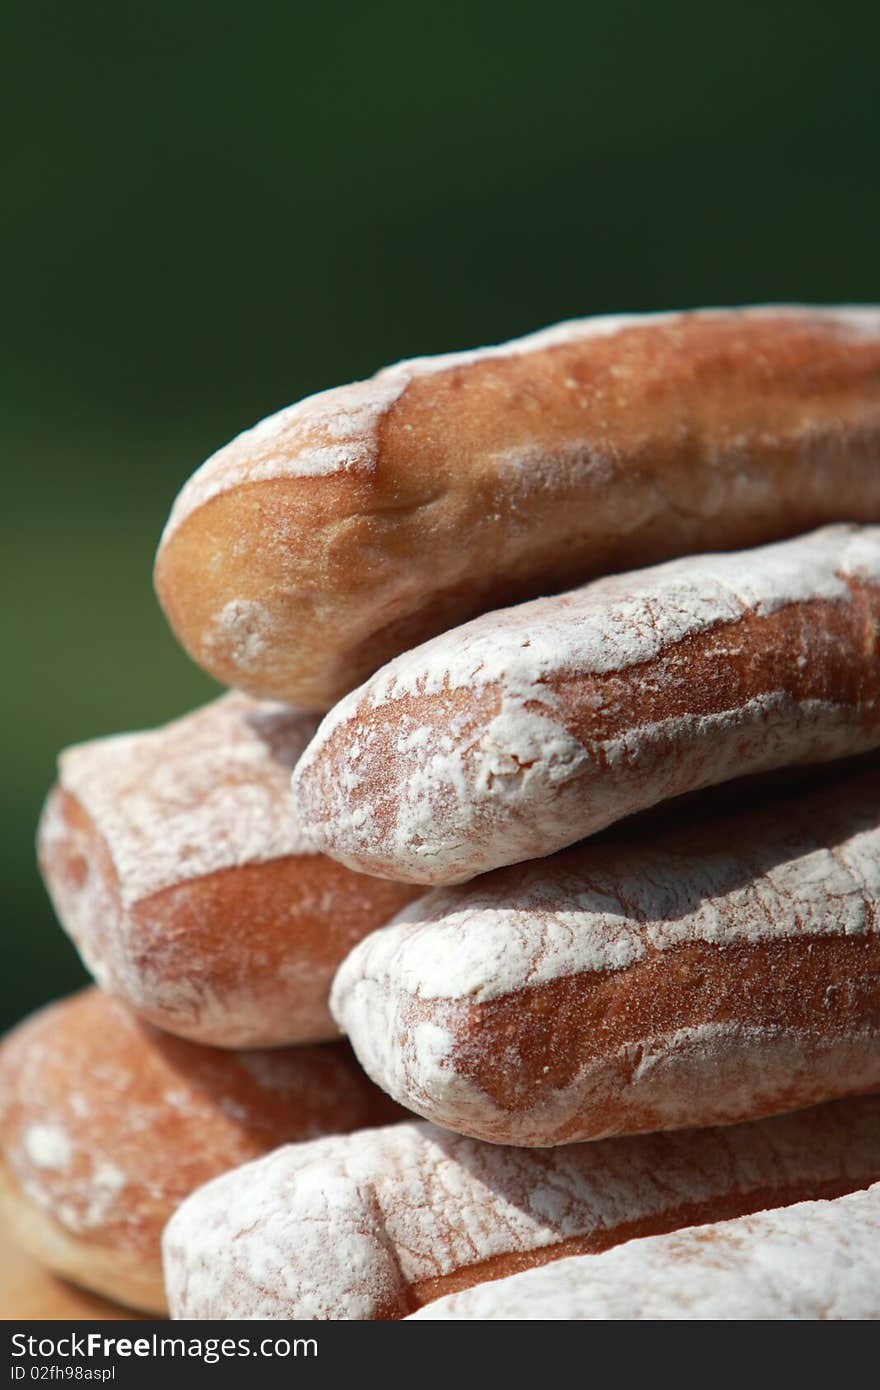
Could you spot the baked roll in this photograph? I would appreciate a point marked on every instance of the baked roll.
(107, 1124)
(816, 1260)
(529, 729)
(175, 862)
(376, 1224)
(364, 520)
(716, 969)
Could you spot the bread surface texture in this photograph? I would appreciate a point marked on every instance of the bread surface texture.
(712, 962)
(531, 728)
(376, 1224)
(813, 1261)
(176, 863)
(106, 1125)
(366, 519)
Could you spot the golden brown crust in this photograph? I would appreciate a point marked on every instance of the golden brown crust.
(214, 924)
(242, 957)
(821, 997)
(529, 729)
(719, 968)
(492, 480)
(106, 1125)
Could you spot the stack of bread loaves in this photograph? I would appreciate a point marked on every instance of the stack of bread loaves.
(620, 1016)
(176, 866)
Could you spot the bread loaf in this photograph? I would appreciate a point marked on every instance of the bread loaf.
(376, 1224)
(718, 970)
(528, 729)
(816, 1260)
(365, 519)
(107, 1124)
(176, 865)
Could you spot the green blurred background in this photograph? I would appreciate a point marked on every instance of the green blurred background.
(211, 209)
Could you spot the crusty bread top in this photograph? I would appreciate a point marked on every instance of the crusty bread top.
(357, 524)
(816, 1260)
(372, 1224)
(805, 864)
(338, 431)
(206, 792)
(482, 746)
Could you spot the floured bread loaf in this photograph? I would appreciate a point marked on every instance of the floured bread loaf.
(366, 519)
(816, 1260)
(107, 1124)
(378, 1223)
(176, 864)
(717, 970)
(530, 728)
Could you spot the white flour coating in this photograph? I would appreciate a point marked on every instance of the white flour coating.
(242, 960)
(814, 1261)
(711, 1073)
(704, 1075)
(345, 1228)
(334, 431)
(859, 320)
(145, 961)
(604, 907)
(515, 796)
(623, 620)
(410, 992)
(447, 799)
(337, 430)
(207, 792)
(105, 1124)
(246, 628)
(47, 1146)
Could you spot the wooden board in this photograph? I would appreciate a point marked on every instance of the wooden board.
(29, 1291)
